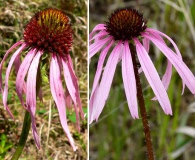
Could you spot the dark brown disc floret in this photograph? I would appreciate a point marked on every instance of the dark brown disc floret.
(125, 24)
(49, 30)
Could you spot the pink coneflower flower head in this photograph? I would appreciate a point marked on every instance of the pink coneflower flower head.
(47, 42)
(124, 27)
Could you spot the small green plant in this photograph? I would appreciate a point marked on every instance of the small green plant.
(5, 145)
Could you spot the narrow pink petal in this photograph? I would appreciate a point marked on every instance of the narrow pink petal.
(70, 61)
(91, 104)
(153, 77)
(146, 44)
(98, 74)
(22, 73)
(5, 91)
(5, 56)
(69, 81)
(75, 82)
(129, 81)
(100, 66)
(68, 99)
(17, 63)
(168, 73)
(179, 65)
(95, 47)
(70, 84)
(59, 97)
(96, 28)
(157, 34)
(166, 77)
(105, 84)
(31, 94)
(99, 35)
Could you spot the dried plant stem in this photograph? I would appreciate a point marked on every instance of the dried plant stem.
(142, 106)
(23, 136)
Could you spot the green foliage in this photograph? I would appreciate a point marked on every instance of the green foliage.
(72, 115)
(5, 145)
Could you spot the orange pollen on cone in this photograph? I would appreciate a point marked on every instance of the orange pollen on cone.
(49, 30)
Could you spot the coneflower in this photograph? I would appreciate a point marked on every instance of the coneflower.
(128, 26)
(126, 32)
(46, 43)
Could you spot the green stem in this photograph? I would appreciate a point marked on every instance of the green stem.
(27, 121)
(23, 137)
(142, 106)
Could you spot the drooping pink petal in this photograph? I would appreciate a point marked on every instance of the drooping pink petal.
(5, 91)
(70, 61)
(105, 84)
(69, 82)
(146, 44)
(95, 47)
(91, 103)
(59, 97)
(68, 99)
(179, 65)
(98, 74)
(75, 82)
(22, 73)
(5, 56)
(129, 81)
(156, 34)
(99, 35)
(17, 63)
(100, 66)
(96, 28)
(71, 88)
(153, 77)
(31, 94)
(167, 76)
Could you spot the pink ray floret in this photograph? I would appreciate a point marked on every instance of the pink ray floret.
(45, 47)
(29, 68)
(49, 48)
(101, 86)
(58, 95)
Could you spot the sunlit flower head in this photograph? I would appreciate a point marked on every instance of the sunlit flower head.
(46, 43)
(124, 27)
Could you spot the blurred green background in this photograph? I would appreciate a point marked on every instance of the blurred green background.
(14, 15)
(116, 135)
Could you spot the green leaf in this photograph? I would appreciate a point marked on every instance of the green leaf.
(72, 117)
(3, 140)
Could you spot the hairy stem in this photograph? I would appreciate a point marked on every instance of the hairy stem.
(23, 136)
(142, 106)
